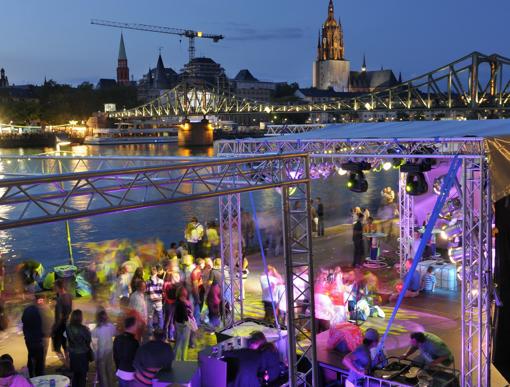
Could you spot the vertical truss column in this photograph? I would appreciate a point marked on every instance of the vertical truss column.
(406, 223)
(476, 274)
(297, 243)
(231, 251)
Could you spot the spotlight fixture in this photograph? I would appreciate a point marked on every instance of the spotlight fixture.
(387, 165)
(357, 181)
(416, 184)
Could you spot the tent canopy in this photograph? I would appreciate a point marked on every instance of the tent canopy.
(406, 129)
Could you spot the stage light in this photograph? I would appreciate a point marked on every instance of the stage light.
(416, 184)
(357, 182)
(451, 232)
(456, 254)
(387, 165)
(341, 171)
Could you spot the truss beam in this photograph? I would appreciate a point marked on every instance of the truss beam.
(34, 200)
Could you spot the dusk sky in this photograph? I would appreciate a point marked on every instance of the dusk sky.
(274, 39)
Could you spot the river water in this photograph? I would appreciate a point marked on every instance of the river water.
(48, 243)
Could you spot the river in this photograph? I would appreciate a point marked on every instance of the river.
(48, 243)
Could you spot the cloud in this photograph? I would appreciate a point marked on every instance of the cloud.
(247, 33)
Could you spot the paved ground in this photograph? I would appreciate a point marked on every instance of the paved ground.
(438, 313)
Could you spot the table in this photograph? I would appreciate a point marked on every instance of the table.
(374, 246)
(44, 381)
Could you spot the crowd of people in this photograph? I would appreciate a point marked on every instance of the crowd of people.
(156, 302)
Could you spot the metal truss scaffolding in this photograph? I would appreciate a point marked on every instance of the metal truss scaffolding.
(476, 274)
(297, 245)
(474, 191)
(406, 225)
(231, 253)
(32, 192)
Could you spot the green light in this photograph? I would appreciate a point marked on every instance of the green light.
(350, 184)
(409, 188)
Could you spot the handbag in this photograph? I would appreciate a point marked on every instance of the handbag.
(192, 324)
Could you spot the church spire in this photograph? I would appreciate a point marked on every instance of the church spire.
(122, 48)
(122, 64)
(364, 65)
(331, 9)
(400, 77)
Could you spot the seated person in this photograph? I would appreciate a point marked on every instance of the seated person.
(359, 361)
(433, 350)
(8, 375)
(428, 282)
(414, 286)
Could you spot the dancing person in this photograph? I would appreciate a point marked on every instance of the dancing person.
(183, 319)
(150, 358)
(125, 346)
(155, 296)
(8, 375)
(357, 239)
(137, 277)
(244, 275)
(137, 300)
(212, 240)
(247, 228)
(359, 361)
(36, 322)
(170, 285)
(320, 216)
(197, 293)
(122, 284)
(172, 251)
(194, 234)
(102, 338)
(213, 296)
(433, 350)
(269, 283)
(63, 308)
(80, 352)
(182, 249)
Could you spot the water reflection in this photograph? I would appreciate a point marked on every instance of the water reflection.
(48, 243)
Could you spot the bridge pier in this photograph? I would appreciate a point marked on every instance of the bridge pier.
(195, 133)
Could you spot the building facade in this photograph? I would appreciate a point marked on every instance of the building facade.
(156, 81)
(4, 81)
(331, 70)
(245, 85)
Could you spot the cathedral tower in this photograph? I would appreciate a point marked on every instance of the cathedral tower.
(331, 69)
(122, 64)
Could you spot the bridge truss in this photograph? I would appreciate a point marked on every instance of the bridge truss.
(473, 187)
(475, 83)
(31, 192)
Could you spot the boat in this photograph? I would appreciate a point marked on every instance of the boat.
(129, 134)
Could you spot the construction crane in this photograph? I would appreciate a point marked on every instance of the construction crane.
(190, 34)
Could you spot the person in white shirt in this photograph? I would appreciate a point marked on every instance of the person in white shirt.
(194, 234)
(102, 341)
(269, 285)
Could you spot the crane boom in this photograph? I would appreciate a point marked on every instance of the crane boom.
(190, 34)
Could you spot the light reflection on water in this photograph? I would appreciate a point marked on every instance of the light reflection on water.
(48, 244)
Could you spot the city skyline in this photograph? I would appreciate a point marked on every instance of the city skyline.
(272, 40)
